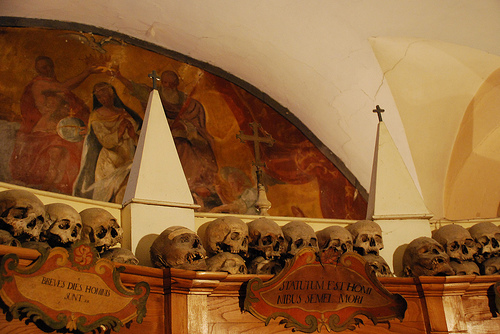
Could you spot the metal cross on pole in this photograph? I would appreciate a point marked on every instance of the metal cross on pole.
(379, 112)
(262, 204)
(154, 76)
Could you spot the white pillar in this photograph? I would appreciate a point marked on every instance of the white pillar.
(157, 194)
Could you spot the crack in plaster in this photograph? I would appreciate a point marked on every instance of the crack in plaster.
(394, 66)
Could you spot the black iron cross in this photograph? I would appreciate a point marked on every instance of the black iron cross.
(154, 76)
(267, 139)
(379, 112)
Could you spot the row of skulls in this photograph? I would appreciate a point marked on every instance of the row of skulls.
(25, 221)
(258, 247)
(455, 250)
(261, 246)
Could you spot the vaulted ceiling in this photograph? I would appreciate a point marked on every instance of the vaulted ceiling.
(430, 64)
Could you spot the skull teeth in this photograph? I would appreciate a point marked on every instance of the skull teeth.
(437, 261)
(191, 257)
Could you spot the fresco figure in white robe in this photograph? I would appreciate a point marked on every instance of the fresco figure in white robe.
(109, 147)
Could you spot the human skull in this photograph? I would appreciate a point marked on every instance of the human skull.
(227, 262)
(226, 234)
(335, 239)
(8, 240)
(378, 264)
(487, 237)
(367, 237)
(266, 238)
(457, 242)
(298, 234)
(178, 247)
(465, 268)
(491, 266)
(120, 255)
(263, 266)
(425, 256)
(22, 214)
(65, 225)
(100, 228)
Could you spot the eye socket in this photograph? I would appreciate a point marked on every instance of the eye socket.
(299, 243)
(101, 232)
(335, 242)
(64, 224)
(469, 243)
(184, 238)
(267, 240)
(423, 250)
(484, 240)
(364, 237)
(114, 232)
(235, 236)
(19, 213)
(454, 246)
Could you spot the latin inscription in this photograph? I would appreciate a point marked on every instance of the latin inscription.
(75, 291)
(321, 292)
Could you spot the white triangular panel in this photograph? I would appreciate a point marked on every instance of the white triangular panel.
(157, 175)
(393, 193)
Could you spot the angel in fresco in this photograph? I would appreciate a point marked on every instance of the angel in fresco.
(187, 120)
(41, 158)
(109, 147)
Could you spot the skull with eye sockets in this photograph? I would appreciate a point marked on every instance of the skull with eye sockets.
(425, 256)
(367, 237)
(487, 237)
(266, 239)
(178, 247)
(226, 234)
(298, 234)
(100, 228)
(379, 265)
(22, 214)
(457, 241)
(64, 225)
(334, 240)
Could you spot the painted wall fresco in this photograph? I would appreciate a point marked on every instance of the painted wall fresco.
(71, 109)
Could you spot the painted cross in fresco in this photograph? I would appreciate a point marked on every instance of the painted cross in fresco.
(267, 139)
(379, 112)
(262, 204)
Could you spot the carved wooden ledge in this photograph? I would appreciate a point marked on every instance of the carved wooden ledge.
(179, 298)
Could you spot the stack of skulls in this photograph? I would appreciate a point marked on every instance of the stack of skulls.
(25, 221)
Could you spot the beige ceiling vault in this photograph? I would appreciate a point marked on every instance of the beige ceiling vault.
(472, 186)
(435, 86)
(331, 62)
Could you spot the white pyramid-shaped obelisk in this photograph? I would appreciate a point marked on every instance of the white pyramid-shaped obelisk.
(393, 193)
(157, 194)
(156, 173)
(394, 201)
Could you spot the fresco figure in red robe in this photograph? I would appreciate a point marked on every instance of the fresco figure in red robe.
(41, 158)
